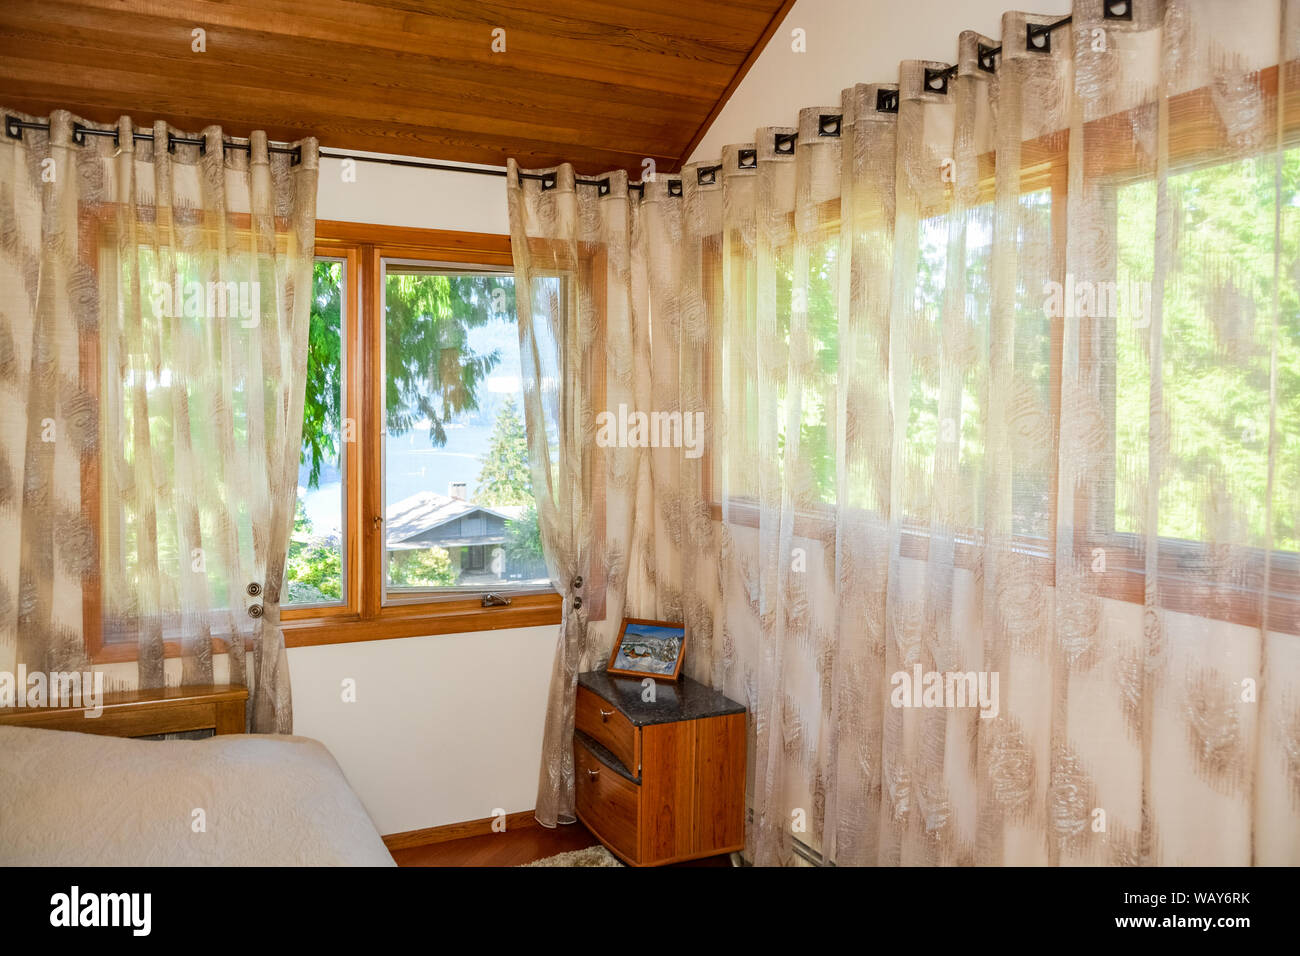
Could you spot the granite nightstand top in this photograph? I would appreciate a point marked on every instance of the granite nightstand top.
(675, 700)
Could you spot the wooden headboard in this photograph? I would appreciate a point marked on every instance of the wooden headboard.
(139, 713)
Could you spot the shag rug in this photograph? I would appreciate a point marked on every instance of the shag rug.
(588, 856)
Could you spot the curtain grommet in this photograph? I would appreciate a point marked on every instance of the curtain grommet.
(254, 589)
(577, 603)
(828, 124)
(936, 81)
(674, 187)
(747, 159)
(577, 582)
(886, 101)
(1117, 10)
(255, 611)
(1038, 38)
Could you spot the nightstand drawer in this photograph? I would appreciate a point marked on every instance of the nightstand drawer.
(607, 801)
(608, 727)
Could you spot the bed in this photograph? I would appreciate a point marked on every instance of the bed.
(87, 797)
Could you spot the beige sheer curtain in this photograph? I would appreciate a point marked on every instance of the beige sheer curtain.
(575, 301)
(1001, 370)
(153, 363)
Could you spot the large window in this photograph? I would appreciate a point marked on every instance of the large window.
(415, 501)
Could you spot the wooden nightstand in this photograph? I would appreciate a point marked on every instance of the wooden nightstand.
(664, 781)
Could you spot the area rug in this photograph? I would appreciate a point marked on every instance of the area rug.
(588, 856)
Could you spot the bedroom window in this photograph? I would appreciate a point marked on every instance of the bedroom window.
(415, 495)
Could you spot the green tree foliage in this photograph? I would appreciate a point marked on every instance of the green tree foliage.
(315, 566)
(433, 374)
(425, 567)
(504, 478)
(1216, 327)
(523, 545)
(323, 408)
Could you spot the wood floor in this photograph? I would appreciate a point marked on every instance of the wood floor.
(513, 848)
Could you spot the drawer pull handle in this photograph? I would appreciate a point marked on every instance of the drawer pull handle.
(593, 773)
(605, 715)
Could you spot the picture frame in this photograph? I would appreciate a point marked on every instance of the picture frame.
(643, 648)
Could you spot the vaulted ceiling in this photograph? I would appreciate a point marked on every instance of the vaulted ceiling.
(598, 83)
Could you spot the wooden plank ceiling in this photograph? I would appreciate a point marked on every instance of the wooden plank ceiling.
(598, 83)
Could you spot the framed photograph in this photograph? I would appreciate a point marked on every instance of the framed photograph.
(648, 649)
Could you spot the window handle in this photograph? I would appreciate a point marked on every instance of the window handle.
(376, 521)
(495, 600)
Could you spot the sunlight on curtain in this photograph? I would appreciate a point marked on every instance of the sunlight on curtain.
(153, 342)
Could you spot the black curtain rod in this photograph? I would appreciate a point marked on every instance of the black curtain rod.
(480, 170)
(14, 130)
(415, 163)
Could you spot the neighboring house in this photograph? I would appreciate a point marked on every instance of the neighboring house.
(471, 534)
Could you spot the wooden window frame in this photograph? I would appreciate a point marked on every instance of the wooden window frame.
(365, 616)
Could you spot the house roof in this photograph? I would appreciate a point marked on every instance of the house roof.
(426, 510)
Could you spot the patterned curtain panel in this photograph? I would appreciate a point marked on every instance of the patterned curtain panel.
(996, 529)
(575, 298)
(153, 343)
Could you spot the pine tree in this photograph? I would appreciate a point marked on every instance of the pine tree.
(505, 478)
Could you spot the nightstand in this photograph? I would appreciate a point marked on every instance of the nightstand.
(659, 781)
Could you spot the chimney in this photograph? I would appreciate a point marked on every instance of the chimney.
(457, 490)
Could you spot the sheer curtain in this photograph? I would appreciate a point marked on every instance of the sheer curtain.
(999, 370)
(153, 363)
(575, 300)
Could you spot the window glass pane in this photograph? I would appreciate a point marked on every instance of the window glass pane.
(1215, 322)
(315, 571)
(458, 497)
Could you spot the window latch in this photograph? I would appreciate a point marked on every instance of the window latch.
(495, 600)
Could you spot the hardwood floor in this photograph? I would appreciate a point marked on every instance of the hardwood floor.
(512, 848)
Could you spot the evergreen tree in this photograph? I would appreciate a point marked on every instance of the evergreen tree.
(504, 478)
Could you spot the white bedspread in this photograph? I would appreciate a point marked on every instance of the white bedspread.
(69, 799)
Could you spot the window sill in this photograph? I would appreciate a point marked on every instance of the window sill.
(446, 617)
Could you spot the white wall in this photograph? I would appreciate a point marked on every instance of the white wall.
(403, 196)
(848, 42)
(444, 729)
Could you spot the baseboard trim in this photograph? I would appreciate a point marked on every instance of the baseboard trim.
(522, 820)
